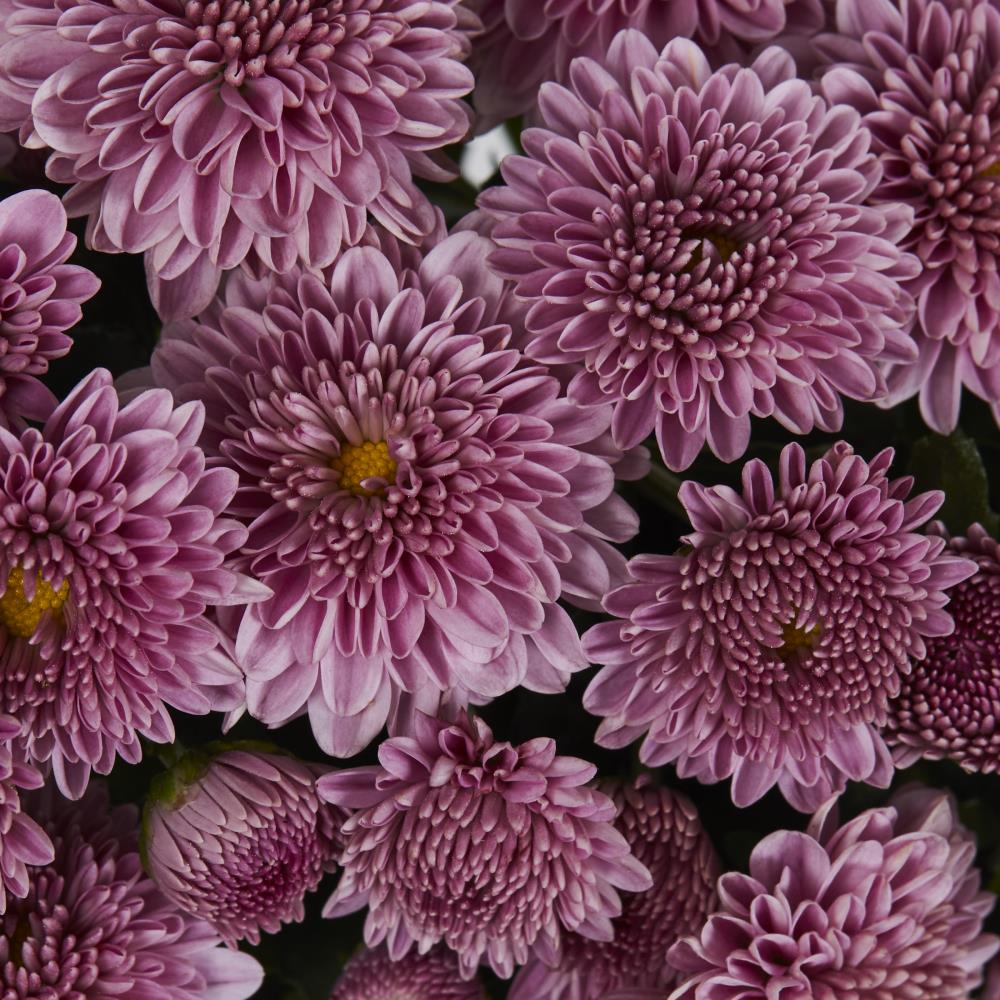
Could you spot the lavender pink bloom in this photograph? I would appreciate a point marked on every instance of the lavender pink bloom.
(664, 832)
(699, 242)
(238, 838)
(768, 648)
(372, 975)
(886, 905)
(923, 75)
(490, 848)
(113, 541)
(417, 493)
(40, 296)
(210, 135)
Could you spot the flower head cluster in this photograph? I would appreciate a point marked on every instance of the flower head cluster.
(768, 648)
(699, 242)
(490, 848)
(238, 838)
(886, 905)
(373, 975)
(212, 134)
(417, 494)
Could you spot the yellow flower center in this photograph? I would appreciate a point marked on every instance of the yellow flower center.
(20, 616)
(358, 462)
(794, 639)
(993, 170)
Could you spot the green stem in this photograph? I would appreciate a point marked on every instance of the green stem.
(662, 487)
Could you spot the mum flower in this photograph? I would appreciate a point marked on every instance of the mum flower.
(372, 975)
(664, 832)
(490, 848)
(417, 494)
(112, 544)
(40, 296)
(699, 242)
(212, 135)
(238, 838)
(924, 77)
(885, 905)
(949, 704)
(93, 925)
(768, 648)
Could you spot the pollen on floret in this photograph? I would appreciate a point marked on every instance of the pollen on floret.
(21, 616)
(358, 463)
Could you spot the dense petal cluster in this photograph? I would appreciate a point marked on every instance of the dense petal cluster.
(768, 648)
(372, 975)
(888, 905)
(211, 135)
(238, 838)
(112, 543)
(418, 494)
(490, 848)
(93, 926)
(664, 832)
(40, 296)
(924, 76)
(699, 243)
(949, 704)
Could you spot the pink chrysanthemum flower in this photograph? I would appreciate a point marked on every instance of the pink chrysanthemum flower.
(768, 648)
(949, 705)
(211, 135)
(887, 905)
(418, 495)
(94, 927)
(40, 296)
(664, 832)
(112, 543)
(924, 77)
(489, 848)
(699, 243)
(372, 975)
(238, 838)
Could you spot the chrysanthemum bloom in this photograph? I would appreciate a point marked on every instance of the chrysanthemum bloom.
(372, 975)
(888, 905)
(238, 838)
(418, 495)
(665, 834)
(768, 648)
(699, 242)
(22, 841)
(40, 296)
(94, 927)
(112, 543)
(949, 705)
(925, 80)
(489, 848)
(256, 132)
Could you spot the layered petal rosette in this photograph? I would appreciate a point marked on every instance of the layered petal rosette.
(372, 975)
(767, 649)
(700, 243)
(418, 495)
(490, 848)
(886, 905)
(113, 541)
(211, 134)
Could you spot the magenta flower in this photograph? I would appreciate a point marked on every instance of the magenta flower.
(418, 495)
(887, 905)
(211, 136)
(372, 975)
(663, 830)
(40, 296)
(699, 243)
(93, 926)
(490, 848)
(112, 543)
(238, 838)
(924, 78)
(768, 648)
(949, 704)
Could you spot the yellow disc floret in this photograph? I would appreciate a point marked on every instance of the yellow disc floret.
(358, 462)
(20, 616)
(794, 639)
